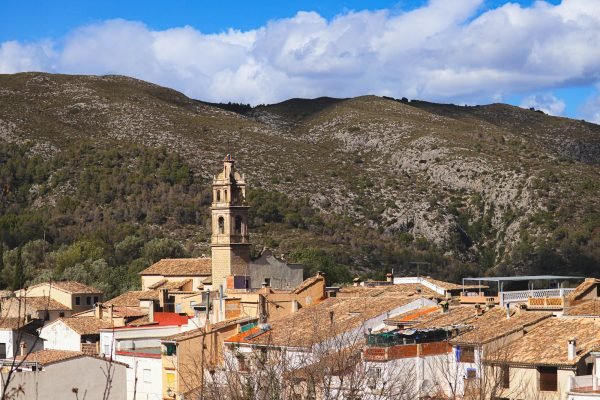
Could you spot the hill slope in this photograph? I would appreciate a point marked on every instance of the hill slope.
(366, 183)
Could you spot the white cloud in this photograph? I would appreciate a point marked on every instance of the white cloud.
(444, 51)
(591, 109)
(547, 103)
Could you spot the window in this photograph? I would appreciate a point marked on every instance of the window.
(466, 354)
(61, 314)
(171, 380)
(2, 350)
(77, 300)
(238, 225)
(107, 349)
(171, 349)
(96, 299)
(88, 300)
(147, 376)
(221, 225)
(268, 282)
(548, 379)
(224, 195)
(471, 373)
(505, 376)
(218, 195)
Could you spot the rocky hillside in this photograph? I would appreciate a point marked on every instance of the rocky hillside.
(367, 183)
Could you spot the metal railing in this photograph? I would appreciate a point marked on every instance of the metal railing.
(522, 296)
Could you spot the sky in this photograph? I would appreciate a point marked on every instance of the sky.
(541, 54)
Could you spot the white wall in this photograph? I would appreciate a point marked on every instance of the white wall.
(59, 336)
(10, 338)
(146, 390)
(56, 381)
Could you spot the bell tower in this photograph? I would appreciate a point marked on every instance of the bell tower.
(230, 244)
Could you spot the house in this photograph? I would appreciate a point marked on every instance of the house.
(183, 360)
(139, 346)
(60, 374)
(185, 274)
(43, 308)
(275, 272)
(552, 361)
(74, 334)
(300, 340)
(18, 333)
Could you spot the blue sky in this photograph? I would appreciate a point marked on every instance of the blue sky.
(459, 51)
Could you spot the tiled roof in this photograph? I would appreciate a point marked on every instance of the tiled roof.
(322, 321)
(38, 303)
(454, 317)
(86, 325)
(582, 288)
(307, 283)
(132, 298)
(452, 286)
(180, 267)
(587, 309)
(166, 284)
(12, 323)
(402, 290)
(160, 319)
(46, 357)
(69, 287)
(546, 344)
(494, 324)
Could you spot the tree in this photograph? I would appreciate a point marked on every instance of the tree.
(1, 264)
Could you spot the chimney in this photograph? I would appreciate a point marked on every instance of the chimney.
(151, 312)
(262, 309)
(355, 281)
(507, 310)
(331, 316)
(445, 307)
(389, 277)
(23, 348)
(98, 312)
(572, 349)
(478, 310)
(295, 306)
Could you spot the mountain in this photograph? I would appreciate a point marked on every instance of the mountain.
(95, 168)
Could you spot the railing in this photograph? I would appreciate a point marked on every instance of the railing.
(584, 384)
(545, 302)
(523, 295)
(479, 299)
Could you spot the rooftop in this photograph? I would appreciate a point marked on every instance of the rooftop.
(69, 287)
(320, 322)
(37, 303)
(212, 328)
(170, 285)
(547, 343)
(46, 357)
(180, 267)
(132, 298)
(454, 317)
(586, 285)
(523, 278)
(401, 290)
(589, 308)
(494, 324)
(86, 325)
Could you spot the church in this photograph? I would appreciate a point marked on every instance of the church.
(230, 265)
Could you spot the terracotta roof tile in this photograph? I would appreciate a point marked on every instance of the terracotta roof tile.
(132, 298)
(546, 344)
(454, 317)
(12, 323)
(325, 320)
(587, 309)
(69, 287)
(494, 324)
(582, 289)
(46, 357)
(414, 316)
(166, 284)
(29, 304)
(307, 283)
(212, 328)
(180, 267)
(86, 325)
(402, 290)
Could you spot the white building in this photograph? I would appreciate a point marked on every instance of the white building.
(13, 332)
(74, 334)
(139, 346)
(59, 374)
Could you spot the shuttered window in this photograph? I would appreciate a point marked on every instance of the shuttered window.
(505, 376)
(548, 379)
(467, 354)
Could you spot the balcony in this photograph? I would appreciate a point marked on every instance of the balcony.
(586, 386)
(524, 296)
(469, 298)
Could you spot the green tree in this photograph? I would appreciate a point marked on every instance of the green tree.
(19, 272)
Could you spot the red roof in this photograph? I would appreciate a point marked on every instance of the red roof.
(160, 319)
(241, 337)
